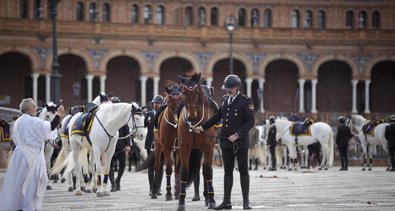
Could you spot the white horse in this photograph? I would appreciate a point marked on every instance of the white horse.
(48, 114)
(368, 142)
(262, 149)
(320, 132)
(109, 118)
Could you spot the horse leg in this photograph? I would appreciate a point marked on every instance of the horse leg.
(107, 165)
(184, 162)
(48, 151)
(370, 157)
(77, 169)
(177, 178)
(155, 182)
(169, 171)
(98, 167)
(208, 177)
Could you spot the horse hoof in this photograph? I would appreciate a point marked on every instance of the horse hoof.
(62, 180)
(325, 168)
(153, 196)
(78, 193)
(94, 190)
(169, 197)
(320, 168)
(70, 189)
(99, 194)
(364, 169)
(88, 190)
(82, 188)
(369, 169)
(211, 205)
(49, 187)
(181, 207)
(106, 193)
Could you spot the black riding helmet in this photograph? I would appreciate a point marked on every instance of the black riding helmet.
(115, 99)
(342, 119)
(157, 99)
(231, 81)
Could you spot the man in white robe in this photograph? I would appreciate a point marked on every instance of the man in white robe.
(26, 178)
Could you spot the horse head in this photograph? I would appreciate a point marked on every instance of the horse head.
(192, 95)
(136, 123)
(48, 112)
(173, 98)
(356, 122)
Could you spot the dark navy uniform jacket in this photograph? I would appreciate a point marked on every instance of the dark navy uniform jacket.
(343, 135)
(122, 143)
(238, 117)
(390, 134)
(149, 122)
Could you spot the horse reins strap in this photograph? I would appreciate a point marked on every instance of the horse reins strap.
(108, 134)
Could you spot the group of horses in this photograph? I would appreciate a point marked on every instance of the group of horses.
(187, 106)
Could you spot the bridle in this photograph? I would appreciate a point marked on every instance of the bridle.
(189, 123)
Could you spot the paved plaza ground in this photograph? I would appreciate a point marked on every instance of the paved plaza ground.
(279, 190)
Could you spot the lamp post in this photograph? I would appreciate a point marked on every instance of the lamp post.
(55, 75)
(76, 92)
(230, 25)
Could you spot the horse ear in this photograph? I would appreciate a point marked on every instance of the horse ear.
(182, 79)
(46, 106)
(197, 77)
(167, 90)
(212, 91)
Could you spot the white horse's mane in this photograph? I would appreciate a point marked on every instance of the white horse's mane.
(111, 111)
(357, 120)
(97, 100)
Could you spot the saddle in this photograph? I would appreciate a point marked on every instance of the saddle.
(368, 128)
(83, 123)
(72, 111)
(5, 130)
(75, 109)
(301, 128)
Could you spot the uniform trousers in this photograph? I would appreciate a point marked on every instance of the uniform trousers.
(229, 161)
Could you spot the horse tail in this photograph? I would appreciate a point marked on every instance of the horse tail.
(195, 160)
(331, 148)
(58, 166)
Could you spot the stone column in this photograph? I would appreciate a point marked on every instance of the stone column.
(209, 81)
(156, 85)
(48, 87)
(367, 96)
(143, 80)
(261, 86)
(301, 95)
(89, 79)
(354, 96)
(35, 85)
(103, 83)
(313, 96)
(248, 83)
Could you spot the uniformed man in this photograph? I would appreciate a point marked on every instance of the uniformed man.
(342, 137)
(272, 142)
(149, 141)
(390, 136)
(237, 113)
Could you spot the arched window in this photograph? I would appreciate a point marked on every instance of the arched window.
(268, 19)
(242, 17)
(202, 16)
(214, 17)
(147, 14)
(255, 17)
(80, 11)
(350, 19)
(363, 19)
(38, 9)
(160, 15)
(376, 19)
(188, 18)
(295, 19)
(23, 9)
(106, 12)
(321, 19)
(135, 14)
(92, 12)
(308, 19)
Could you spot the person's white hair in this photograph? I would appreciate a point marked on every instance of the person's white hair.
(25, 104)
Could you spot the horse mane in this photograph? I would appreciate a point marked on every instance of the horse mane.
(357, 120)
(111, 111)
(97, 100)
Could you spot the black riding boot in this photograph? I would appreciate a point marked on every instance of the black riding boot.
(346, 163)
(250, 168)
(226, 204)
(309, 162)
(256, 164)
(150, 181)
(196, 184)
(342, 162)
(160, 178)
(245, 189)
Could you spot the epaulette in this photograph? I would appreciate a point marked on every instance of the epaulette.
(245, 96)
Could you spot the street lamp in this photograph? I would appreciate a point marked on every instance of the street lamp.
(76, 91)
(230, 25)
(55, 75)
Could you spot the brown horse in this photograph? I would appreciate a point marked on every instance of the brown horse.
(166, 138)
(195, 112)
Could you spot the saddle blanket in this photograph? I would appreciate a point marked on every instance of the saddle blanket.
(83, 124)
(5, 132)
(300, 129)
